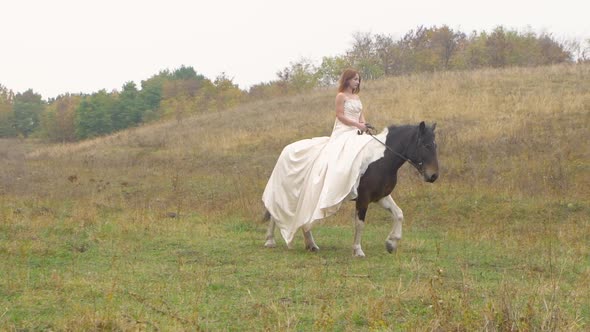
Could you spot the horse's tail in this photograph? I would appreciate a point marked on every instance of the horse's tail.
(266, 216)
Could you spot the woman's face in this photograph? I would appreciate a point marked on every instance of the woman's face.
(353, 83)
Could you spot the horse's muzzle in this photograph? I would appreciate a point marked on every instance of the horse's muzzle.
(432, 178)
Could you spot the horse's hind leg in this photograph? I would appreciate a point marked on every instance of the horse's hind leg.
(270, 232)
(309, 242)
(396, 232)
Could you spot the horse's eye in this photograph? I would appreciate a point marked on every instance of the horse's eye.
(431, 146)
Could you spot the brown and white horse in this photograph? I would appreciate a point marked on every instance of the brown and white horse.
(413, 144)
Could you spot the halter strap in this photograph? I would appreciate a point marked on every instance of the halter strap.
(417, 166)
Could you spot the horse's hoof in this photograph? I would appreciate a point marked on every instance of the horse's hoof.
(358, 253)
(270, 244)
(313, 248)
(390, 246)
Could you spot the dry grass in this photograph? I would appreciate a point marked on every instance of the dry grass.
(500, 242)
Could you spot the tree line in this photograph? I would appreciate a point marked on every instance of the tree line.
(72, 117)
(428, 50)
(183, 91)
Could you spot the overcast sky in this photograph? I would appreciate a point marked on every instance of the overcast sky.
(60, 46)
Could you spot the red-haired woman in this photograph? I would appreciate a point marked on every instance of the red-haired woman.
(312, 177)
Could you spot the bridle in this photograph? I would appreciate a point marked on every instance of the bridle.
(418, 165)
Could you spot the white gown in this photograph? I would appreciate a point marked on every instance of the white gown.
(312, 177)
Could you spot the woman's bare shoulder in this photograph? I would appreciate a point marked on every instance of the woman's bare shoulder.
(341, 96)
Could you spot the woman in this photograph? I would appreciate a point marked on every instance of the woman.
(313, 177)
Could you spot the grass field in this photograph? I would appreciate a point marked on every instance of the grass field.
(159, 227)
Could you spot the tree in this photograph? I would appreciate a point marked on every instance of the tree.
(551, 51)
(185, 92)
(476, 52)
(416, 54)
(445, 43)
(388, 54)
(151, 95)
(431, 49)
(584, 55)
(58, 120)
(330, 70)
(128, 109)
(27, 107)
(93, 116)
(300, 76)
(7, 125)
(228, 93)
(186, 73)
(498, 48)
(363, 56)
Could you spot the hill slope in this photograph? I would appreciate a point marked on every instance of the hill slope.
(178, 203)
(516, 132)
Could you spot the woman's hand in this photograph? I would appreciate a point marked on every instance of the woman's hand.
(365, 128)
(362, 127)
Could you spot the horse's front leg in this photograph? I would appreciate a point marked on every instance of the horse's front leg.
(398, 216)
(309, 242)
(359, 224)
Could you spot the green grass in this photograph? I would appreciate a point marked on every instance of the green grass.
(214, 274)
(498, 243)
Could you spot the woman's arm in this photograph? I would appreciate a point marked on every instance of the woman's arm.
(362, 119)
(340, 98)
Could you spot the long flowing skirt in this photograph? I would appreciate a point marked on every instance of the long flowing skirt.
(312, 178)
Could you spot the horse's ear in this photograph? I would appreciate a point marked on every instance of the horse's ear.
(422, 127)
(433, 126)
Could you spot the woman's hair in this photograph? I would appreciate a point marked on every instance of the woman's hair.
(346, 76)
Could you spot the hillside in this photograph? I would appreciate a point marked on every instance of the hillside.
(513, 195)
(510, 131)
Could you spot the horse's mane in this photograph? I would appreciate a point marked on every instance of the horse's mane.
(399, 132)
(400, 127)
(395, 130)
(404, 127)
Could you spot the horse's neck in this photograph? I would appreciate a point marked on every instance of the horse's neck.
(394, 161)
(400, 146)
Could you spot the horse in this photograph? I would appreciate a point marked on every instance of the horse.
(407, 143)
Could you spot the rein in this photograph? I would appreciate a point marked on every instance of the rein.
(417, 166)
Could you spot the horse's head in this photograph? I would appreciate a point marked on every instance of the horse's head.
(424, 154)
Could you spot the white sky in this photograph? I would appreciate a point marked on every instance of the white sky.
(60, 46)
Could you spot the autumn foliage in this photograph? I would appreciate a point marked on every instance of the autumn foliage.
(183, 92)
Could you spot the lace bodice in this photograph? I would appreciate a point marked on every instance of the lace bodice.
(352, 110)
